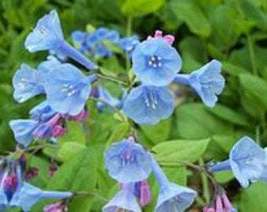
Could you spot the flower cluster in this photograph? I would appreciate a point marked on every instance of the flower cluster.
(130, 165)
(95, 43)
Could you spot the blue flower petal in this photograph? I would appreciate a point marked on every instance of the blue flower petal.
(127, 161)
(26, 84)
(155, 62)
(46, 35)
(149, 104)
(22, 130)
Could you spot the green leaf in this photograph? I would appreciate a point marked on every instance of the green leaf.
(254, 198)
(75, 133)
(69, 150)
(157, 133)
(173, 152)
(141, 7)
(189, 12)
(195, 122)
(120, 131)
(255, 87)
(227, 114)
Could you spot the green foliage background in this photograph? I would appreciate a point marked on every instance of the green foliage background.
(232, 31)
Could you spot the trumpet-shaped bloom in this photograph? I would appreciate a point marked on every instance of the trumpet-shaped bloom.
(46, 35)
(67, 89)
(246, 160)
(206, 81)
(172, 197)
(127, 161)
(124, 200)
(14, 192)
(155, 62)
(148, 104)
(26, 83)
(23, 130)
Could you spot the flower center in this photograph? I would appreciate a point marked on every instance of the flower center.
(68, 89)
(155, 61)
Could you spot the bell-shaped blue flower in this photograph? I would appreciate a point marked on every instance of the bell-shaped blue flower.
(246, 161)
(172, 197)
(124, 200)
(67, 89)
(127, 161)
(155, 62)
(148, 104)
(23, 130)
(26, 83)
(14, 192)
(42, 112)
(207, 81)
(48, 35)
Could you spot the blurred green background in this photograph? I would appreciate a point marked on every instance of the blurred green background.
(232, 31)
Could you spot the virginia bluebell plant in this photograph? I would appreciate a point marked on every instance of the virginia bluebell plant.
(146, 97)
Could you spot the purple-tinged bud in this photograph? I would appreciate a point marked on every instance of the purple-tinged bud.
(56, 207)
(208, 209)
(159, 34)
(58, 131)
(142, 192)
(10, 185)
(31, 173)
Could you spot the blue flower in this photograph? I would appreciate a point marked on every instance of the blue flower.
(127, 161)
(172, 197)
(124, 200)
(26, 83)
(246, 160)
(42, 112)
(14, 192)
(23, 130)
(155, 62)
(206, 81)
(128, 44)
(67, 89)
(47, 35)
(148, 104)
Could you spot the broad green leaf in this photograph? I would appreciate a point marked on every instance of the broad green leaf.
(227, 114)
(189, 12)
(69, 150)
(120, 132)
(224, 177)
(75, 133)
(157, 133)
(195, 122)
(140, 7)
(176, 174)
(255, 87)
(177, 151)
(254, 198)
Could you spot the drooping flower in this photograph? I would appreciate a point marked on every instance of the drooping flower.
(206, 81)
(48, 35)
(67, 89)
(246, 161)
(127, 161)
(56, 207)
(172, 197)
(26, 84)
(23, 130)
(14, 192)
(220, 203)
(148, 104)
(142, 192)
(156, 62)
(124, 200)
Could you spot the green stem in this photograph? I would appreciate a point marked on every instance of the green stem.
(110, 78)
(258, 135)
(129, 26)
(205, 183)
(252, 54)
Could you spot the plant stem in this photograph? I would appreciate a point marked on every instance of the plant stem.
(205, 183)
(110, 78)
(252, 54)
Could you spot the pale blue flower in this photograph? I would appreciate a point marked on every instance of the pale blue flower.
(207, 81)
(47, 35)
(42, 112)
(155, 62)
(26, 84)
(246, 161)
(127, 161)
(67, 89)
(172, 197)
(128, 44)
(124, 200)
(23, 130)
(148, 104)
